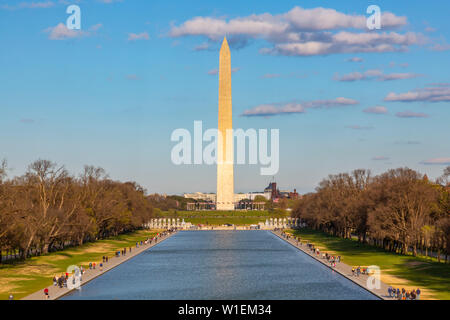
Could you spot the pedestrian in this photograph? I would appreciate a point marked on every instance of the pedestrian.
(55, 281)
(101, 267)
(46, 293)
(398, 293)
(418, 293)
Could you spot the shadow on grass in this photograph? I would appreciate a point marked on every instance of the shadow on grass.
(36, 273)
(417, 271)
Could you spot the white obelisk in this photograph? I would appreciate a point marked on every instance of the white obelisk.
(225, 151)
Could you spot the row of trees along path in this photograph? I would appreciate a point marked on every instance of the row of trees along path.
(400, 210)
(46, 208)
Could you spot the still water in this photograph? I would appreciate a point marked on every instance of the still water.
(221, 265)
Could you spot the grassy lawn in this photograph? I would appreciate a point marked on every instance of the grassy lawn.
(432, 277)
(25, 277)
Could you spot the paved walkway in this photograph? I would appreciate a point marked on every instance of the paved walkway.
(56, 292)
(341, 268)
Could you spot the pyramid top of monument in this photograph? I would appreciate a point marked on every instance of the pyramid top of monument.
(225, 44)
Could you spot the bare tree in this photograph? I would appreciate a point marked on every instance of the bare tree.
(47, 208)
(398, 210)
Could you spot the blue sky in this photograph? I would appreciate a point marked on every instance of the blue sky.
(111, 94)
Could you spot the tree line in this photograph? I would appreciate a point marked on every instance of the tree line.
(399, 210)
(47, 209)
(169, 202)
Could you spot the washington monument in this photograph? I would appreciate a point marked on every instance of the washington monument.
(225, 151)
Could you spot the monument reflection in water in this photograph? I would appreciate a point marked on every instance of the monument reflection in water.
(221, 265)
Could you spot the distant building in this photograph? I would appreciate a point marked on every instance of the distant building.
(200, 196)
(241, 200)
(271, 191)
(293, 195)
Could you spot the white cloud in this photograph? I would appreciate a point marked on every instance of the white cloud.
(375, 75)
(438, 93)
(376, 110)
(109, 1)
(304, 32)
(203, 46)
(379, 158)
(29, 5)
(355, 59)
(411, 114)
(347, 42)
(132, 77)
(340, 101)
(96, 27)
(295, 20)
(398, 76)
(440, 47)
(355, 76)
(358, 127)
(408, 142)
(271, 75)
(27, 120)
(61, 32)
(138, 36)
(267, 110)
(437, 161)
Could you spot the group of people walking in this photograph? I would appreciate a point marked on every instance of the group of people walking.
(394, 293)
(61, 281)
(332, 260)
(357, 271)
(402, 294)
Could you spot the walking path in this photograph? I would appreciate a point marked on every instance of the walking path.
(341, 268)
(56, 292)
